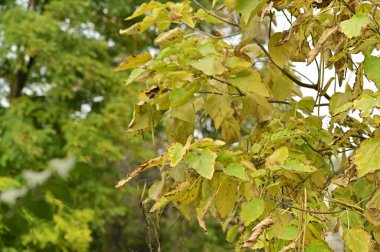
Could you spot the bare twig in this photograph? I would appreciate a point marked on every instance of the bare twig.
(150, 163)
(146, 220)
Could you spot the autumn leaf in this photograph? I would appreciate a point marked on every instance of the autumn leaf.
(134, 61)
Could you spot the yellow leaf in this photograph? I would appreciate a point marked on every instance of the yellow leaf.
(144, 8)
(134, 61)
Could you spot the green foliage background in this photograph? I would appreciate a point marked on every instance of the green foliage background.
(60, 99)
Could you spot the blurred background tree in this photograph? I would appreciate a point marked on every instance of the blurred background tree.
(60, 98)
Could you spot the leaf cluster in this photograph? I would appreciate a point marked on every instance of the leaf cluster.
(276, 168)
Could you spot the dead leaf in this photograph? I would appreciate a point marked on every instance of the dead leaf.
(257, 231)
(325, 35)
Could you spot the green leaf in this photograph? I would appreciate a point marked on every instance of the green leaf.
(155, 190)
(207, 49)
(203, 163)
(357, 239)
(176, 153)
(248, 8)
(367, 156)
(171, 195)
(180, 172)
(139, 27)
(373, 209)
(142, 118)
(278, 157)
(134, 75)
(249, 81)
(353, 27)
(339, 101)
(288, 233)
(285, 135)
(217, 107)
(236, 63)
(236, 170)
(231, 130)
(181, 96)
(185, 112)
(185, 197)
(134, 61)
(252, 210)
(257, 106)
(371, 68)
(232, 232)
(209, 65)
(226, 195)
(178, 130)
(318, 246)
(280, 53)
(144, 8)
(298, 166)
(306, 103)
(367, 103)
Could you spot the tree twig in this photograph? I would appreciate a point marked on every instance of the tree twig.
(214, 15)
(304, 210)
(287, 74)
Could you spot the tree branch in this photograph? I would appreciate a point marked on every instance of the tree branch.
(348, 7)
(19, 81)
(213, 36)
(304, 210)
(287, 74)
(214, 15)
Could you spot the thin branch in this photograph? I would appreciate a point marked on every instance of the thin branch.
(239, 95)
(283, 12)
(213, 36)
(146, 220)
(287, 74)
(304, 210)
(214, 15)
(307, 78)
(279, 102)
(291, 77)
(348, 7)
(227, 83)
(311, 147)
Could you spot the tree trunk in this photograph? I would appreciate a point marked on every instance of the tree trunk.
(19, 80)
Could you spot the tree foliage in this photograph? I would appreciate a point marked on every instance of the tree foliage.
(60, 98)
(278, 169)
